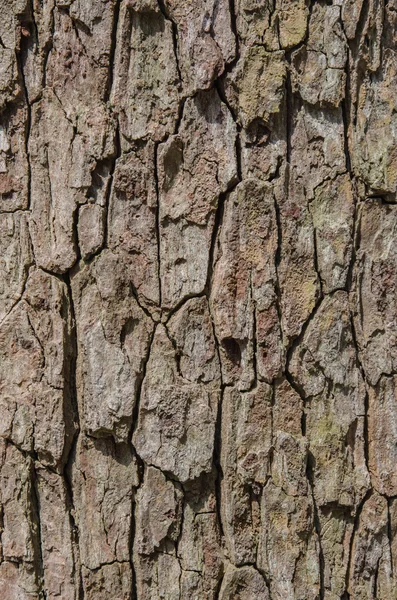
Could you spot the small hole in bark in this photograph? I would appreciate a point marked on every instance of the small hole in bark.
(27, 40)
(26, 30)
(127, 330)
(232, 349)
(351, 435)
(299, 61)
(172, 161)
(256, 489)
(384, 198)
(303, 423)
(257, 132)
(99, 178)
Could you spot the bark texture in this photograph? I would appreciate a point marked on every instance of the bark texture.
(198, 291)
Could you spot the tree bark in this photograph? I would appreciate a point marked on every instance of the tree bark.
(198, 288)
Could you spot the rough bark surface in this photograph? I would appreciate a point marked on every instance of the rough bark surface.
(198, 292)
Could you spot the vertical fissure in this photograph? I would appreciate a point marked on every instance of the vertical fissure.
(140, 465)
(390, 536)
(158, 222)
(356, 523)
(134, 588)
(110, 186)
(289, 113)
(68, 468)
(36, 518)
(22, 54)
(233, 22)
(316, 522)
(254, 331)
(113, 48)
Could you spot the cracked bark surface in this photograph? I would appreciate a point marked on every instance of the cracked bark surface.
(198, 285)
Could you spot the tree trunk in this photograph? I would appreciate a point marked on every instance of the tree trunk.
(198, 292)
